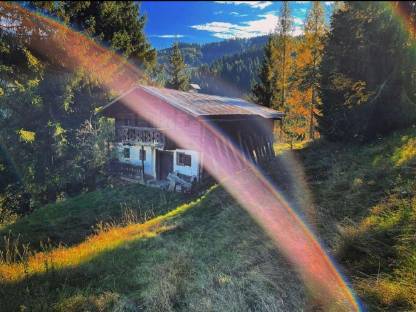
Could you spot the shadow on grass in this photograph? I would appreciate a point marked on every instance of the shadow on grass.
(364, 196)
(70, 221)
(213, 257)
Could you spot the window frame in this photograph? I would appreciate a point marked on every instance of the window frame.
(181, 159)
(142, 155)
(126, 153)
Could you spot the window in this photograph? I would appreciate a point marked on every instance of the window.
(126, 152)
(183, 159)
(142, 154)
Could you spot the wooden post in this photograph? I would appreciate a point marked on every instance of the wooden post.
(251, 148)
(243, 147)
(142, 157)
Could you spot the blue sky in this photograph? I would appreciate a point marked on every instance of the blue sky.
(209, 21)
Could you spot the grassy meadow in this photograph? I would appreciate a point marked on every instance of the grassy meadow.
(203, 254)
(132, 248)
(365, 203)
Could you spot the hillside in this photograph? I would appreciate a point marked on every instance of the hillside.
(196, 55)
(365, 199)
(227, 68)
(230, 75)
(206, 253)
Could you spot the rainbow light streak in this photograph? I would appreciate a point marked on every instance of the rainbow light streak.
(241, 178)
(403, 10)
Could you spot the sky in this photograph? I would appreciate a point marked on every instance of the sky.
(209, 21)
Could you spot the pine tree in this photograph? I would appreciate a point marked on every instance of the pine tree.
(283, 53)
(47, 97)
(313, 44)
(264, 92)
(179, 78)
(367, 68)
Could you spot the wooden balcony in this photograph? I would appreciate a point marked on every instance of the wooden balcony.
(125, 170)
(140, 135)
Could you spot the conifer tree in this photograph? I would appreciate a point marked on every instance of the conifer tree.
(46, 99)
(264, 92)
(283, 53)
(367, 73)
(179, 78)
(313, 42)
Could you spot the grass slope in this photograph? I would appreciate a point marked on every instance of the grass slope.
(164, 252)
(365, 199)
(203, 255)
(71, 221)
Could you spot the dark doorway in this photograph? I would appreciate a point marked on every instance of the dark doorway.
(164, 162)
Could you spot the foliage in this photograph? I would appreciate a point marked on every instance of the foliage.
(368, 68)
(117, 24)
(289, 76)
(309, 58)
(264, 92)
(227, 68)
(45, 103)
(179, 78)
(230, 75)
(284, 54)
(196, 55)
(94, 151)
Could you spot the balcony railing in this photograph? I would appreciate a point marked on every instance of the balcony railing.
(140, 135)
(125, 170)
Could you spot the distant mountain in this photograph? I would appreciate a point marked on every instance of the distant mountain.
(227, 68)
(231, 75)
(196, 55)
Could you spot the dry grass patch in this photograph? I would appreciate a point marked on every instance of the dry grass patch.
(109, 238)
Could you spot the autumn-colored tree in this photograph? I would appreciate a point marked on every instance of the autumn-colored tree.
(302, 87)
(296, 119)
(310, 57)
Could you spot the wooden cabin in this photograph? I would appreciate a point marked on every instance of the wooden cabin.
(162, 133)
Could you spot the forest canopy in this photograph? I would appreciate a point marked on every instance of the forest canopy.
(50, 135)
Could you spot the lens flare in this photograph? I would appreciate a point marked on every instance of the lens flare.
(223, 160)
(405, 12)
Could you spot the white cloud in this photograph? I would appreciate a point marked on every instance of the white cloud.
(238, 14)
(168, 36)
(254, 4)
(329, 3)
(302, 2)
(297, 21)
(248, 29)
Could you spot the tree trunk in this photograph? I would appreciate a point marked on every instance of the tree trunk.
(311, 131)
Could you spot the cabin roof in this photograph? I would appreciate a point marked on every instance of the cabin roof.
(199, 104)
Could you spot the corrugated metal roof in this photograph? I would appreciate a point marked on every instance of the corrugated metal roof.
(199, 104)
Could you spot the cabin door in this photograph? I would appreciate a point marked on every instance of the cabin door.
(164, 162)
